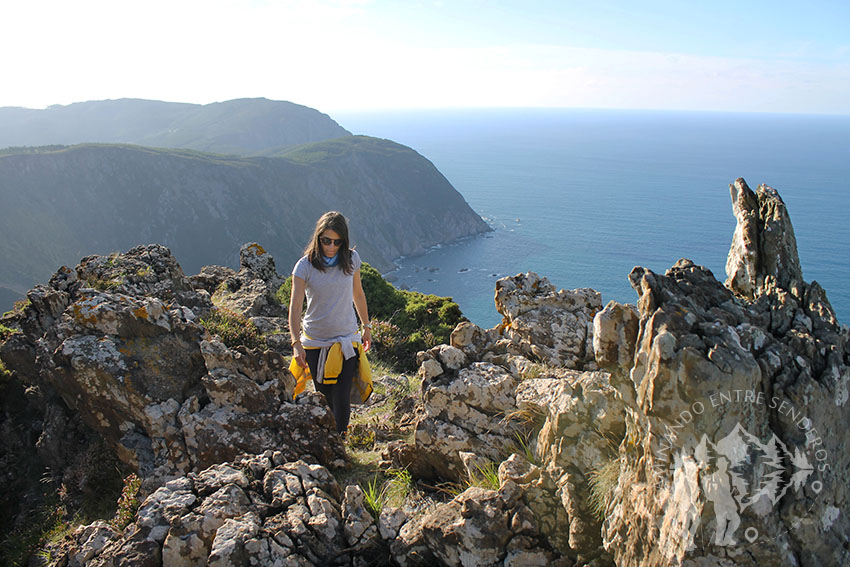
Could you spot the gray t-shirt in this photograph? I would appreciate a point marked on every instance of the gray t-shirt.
(330, 299)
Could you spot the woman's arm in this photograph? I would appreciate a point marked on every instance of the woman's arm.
(296, 303)
(362, 311)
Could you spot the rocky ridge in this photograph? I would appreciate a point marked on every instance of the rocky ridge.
(701, 426)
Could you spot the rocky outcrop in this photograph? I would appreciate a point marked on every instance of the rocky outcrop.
(764, 249)
(260, 510)
(712, 414)
(119, 341)
(488, 528)
(250, 292)
(727, 459)
(497, 398)
(464, 425)
(466, 404)
(553, 327)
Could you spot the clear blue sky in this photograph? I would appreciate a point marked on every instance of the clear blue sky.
(777, 56)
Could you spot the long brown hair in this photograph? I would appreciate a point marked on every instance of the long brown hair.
(332, 220)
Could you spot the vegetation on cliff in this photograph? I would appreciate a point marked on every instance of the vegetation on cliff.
(62, 203)
(210, 178)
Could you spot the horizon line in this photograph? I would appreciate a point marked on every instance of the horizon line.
(376, 110)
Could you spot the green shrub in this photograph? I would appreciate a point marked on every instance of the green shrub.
(405, 322)
(384, 300)
(128, 503)
(284, 292)
(233, 329)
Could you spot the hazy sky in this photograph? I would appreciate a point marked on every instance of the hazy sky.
(747, 55)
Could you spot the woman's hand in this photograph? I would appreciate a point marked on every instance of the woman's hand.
(366, 338)
(300, 355)
(362, 311)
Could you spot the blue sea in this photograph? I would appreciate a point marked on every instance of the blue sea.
(583, 196)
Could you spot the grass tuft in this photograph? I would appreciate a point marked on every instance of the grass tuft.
(391, 490)
(525, 447)
(603, 480)
(486, 476)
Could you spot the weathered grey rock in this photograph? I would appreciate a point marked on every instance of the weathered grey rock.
(184, 545)
(250, 299)
(719, 384)
(359, 525)
(390, 521)
(410, 548)
(452, 357)
(430, 369)
(479, 526)
(584, 423)
(229, 546)
(764, 248)
(304, 429)
(251, 291)
(119, 343)
(254, 260)
(615, 331)
(217, 517)
(553, 327)
(210, 278)
(465, 411)
(91, 540)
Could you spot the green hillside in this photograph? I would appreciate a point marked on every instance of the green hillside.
(62, 203)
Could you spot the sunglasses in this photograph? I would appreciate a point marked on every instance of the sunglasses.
(328, 241)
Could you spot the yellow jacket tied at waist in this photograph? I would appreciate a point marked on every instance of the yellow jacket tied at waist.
(361, 385)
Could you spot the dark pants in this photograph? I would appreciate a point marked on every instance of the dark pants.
(339, 394)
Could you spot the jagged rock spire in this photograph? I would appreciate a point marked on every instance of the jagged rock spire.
(764, 249)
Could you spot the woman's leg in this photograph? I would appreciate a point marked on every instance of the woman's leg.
(338, 395)
(341, 394)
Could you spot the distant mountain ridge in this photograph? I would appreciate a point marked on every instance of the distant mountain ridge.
(106, 176)
(241, 127)
(62, 203)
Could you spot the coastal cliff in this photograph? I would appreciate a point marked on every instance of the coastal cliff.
(703, 425)
(103, 176)
(62, 203)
